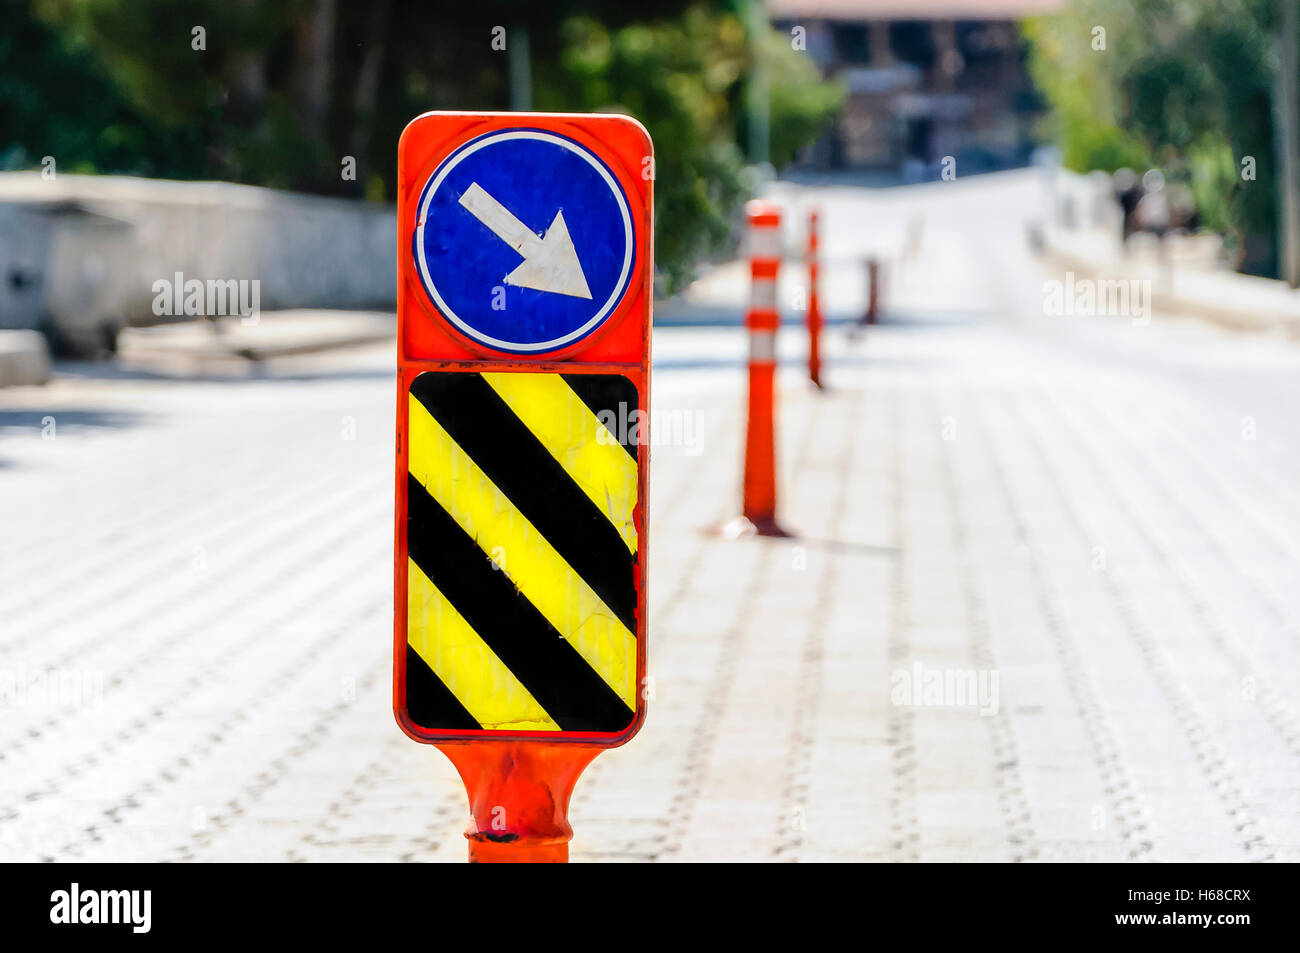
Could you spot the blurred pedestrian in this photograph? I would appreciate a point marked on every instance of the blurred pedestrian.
(1154, 213)
(1183, 214)
(1128, 192)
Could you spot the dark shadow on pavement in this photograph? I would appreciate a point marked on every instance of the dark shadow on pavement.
(741, 361)
(33, 421)
(927, 319)
(844, 547)
(31, 424)
(251, 372)
(694, 316)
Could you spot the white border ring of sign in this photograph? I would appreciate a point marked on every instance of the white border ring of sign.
(431, 188)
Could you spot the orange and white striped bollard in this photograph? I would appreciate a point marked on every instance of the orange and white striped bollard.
(759, 509)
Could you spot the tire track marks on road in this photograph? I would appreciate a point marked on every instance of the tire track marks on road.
(157, 713)
(733, 642)
(1012, 800)
(900, 729)
(67, 551)
(808, 684)
(1209, 751)
(1125, 800)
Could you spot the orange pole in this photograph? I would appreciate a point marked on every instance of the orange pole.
(814, 305)
(519, 795)
(762, 320)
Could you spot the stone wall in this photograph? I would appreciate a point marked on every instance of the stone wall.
(122, 234)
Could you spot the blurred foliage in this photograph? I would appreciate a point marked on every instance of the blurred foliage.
(684, 79)
(283, 90)
(1182, 84)
(58, 98)
(677, 77)
(801, 103)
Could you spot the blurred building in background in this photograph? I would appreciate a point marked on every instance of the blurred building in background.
(924, 79)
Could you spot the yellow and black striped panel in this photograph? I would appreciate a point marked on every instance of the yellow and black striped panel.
(521, 580)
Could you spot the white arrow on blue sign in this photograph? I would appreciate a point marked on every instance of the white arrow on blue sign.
(524, 240)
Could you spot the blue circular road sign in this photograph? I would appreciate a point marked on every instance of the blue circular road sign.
(524, 240)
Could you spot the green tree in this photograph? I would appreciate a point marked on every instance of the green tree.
(279, 92)
(684, 79)
(801, 105)
(677, 78)
(57, 98)
(1184, 84)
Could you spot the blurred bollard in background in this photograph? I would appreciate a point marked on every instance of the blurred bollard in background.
(814, 305)
(759, 491)
(871, 272)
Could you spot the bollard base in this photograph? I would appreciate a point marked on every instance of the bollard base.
(519, 798)
(484, 851)
(742, 526)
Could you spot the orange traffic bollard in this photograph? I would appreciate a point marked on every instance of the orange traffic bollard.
(759, 506)
(814, 305)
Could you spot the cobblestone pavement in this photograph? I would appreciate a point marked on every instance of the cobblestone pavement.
(1041, 603)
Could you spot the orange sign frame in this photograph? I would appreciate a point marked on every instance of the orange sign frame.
(427, 342)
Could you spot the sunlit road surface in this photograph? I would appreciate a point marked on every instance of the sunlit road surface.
(1042, 603)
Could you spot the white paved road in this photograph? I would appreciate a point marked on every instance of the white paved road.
(1042, 605)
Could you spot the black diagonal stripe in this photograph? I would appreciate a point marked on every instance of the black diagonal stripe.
(429, 701)
(610, 394)
(485, 427)
(548, 666)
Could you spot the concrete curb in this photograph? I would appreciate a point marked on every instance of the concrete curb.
(277, 334)
(24, 358)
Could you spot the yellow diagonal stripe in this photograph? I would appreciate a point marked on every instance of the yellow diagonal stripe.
(581, 444)
(533, 565)
(465, 663)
